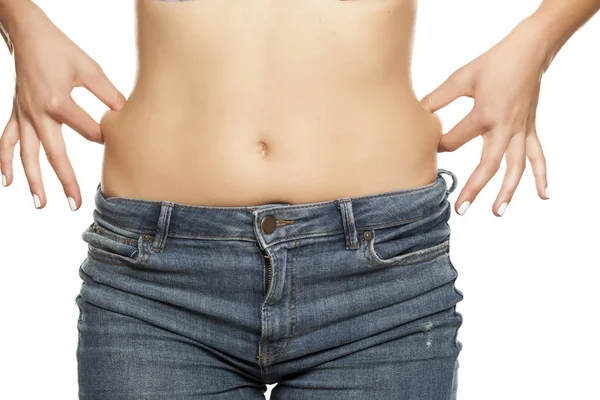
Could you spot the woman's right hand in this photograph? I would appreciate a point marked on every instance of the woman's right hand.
(48, 66)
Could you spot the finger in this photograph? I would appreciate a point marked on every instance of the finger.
(55, 149)
(455, 86)
(95, 80)
(494, 147)
(67, 111)
(467, 129)
(8, 142)
(536, 157)
(30, 157)
(515, 166)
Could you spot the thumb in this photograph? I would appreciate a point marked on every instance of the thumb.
(451, 89)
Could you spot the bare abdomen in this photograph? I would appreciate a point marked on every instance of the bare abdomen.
(247, 104)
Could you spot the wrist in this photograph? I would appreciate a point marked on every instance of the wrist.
(538, 28)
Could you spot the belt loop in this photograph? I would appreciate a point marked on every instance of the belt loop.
(351, 236)
(452, 175)
(162, 226)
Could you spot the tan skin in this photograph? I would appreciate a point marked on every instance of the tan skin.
(286, 102)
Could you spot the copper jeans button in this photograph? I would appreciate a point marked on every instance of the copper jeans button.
(267, 225)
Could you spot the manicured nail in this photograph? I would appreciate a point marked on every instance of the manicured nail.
(463, 207)
(547, 194)
(36, 201)
(72, 204)
(502, 208)
(3, 180)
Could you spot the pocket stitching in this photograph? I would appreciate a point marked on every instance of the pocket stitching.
(417, 256)
(137, 257)
(109, 234)
(112, 258)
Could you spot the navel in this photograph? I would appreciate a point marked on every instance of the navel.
(262, 149)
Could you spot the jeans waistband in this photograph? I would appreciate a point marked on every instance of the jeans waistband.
(275, 222)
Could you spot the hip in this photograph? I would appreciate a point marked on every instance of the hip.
(282, 287)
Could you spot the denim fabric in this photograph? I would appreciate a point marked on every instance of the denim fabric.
(352, 298)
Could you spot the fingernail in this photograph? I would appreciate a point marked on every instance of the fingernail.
(72, 204)
(502, 208)
(463, 207)
(3, 180)
(547, 194)
(36, 201)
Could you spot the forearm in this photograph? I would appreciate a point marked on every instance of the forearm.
(560, 19)
(9, 13)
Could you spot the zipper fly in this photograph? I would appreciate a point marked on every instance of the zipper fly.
(268, 267)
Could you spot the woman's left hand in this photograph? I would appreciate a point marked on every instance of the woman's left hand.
(505, 85)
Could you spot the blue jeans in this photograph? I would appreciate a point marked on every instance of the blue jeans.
(352, 298)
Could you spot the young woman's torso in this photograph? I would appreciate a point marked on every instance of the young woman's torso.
(242, 103)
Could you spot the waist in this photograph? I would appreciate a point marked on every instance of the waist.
(277, 222)
(231, 159)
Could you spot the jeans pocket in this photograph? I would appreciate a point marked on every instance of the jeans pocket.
(417, 241)
(402, 256)
(115, 244)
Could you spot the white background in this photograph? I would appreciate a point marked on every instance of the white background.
(530, 278)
